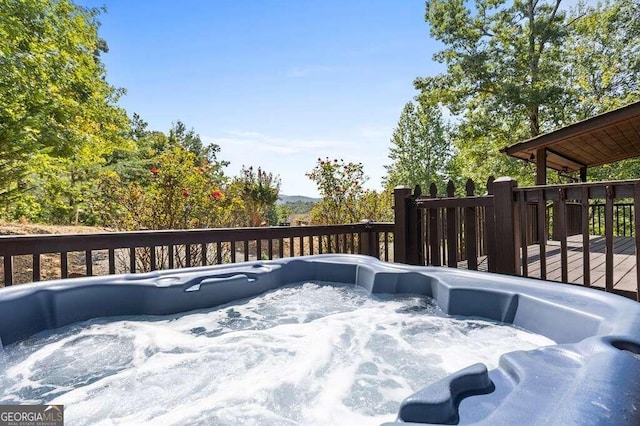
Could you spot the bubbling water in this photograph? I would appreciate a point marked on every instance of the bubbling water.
(312, 354)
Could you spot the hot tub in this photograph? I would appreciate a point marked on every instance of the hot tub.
(590, 376)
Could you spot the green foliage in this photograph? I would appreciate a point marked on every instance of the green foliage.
(604, 57)
(298, 207)
(259, 192)
(56, 107)
(515, 69)
(344, 200)
(420, 148)
(190, 140)
(180, 195)
(283, 211)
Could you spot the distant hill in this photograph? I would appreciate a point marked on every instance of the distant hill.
(296, 198)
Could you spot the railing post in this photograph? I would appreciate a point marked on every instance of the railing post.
(507, 225)
(401, 200)
(415, 230)
(368, 238)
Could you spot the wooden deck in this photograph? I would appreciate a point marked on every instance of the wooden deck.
(624, 260)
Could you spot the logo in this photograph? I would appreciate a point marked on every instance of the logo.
(31, 415)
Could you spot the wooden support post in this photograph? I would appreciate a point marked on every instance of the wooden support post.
(506, 227)
(367, 238)
(401, 197)
(583, 174)
(541, 166)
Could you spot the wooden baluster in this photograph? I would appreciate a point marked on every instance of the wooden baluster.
(88, 263)
(187, 255)
(608, 231)
(8, 270)
(470, 230)
(636, 222)
(35, 259)
(542, 232)
(434, 229)
(452, 230)
(64, 264)
(132, 260)
(490, 234)
(280, 248)
(153, 260)
(522, 204)
(203, 254)
(586, 253)
(112, 261)
(562, 231)
(386, 246)
(171, 256)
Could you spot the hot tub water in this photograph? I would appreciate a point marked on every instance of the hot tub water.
(313, 354)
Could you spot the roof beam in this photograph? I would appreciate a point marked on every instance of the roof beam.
(573, 164)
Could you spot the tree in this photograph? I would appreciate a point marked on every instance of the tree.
(179, 195)
(515, 69)
(420, 150)
(54, 99)
(603, 56)
(258, 191)
(501, 80)
(344, 199)
(605, 71)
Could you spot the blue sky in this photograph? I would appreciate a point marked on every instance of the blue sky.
(276, 84)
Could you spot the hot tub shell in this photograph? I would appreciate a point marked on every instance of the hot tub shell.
(592, 375)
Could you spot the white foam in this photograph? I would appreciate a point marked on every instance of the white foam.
(308, 354)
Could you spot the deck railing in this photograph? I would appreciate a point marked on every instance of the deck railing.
(431, 231)
(444, 230)
(583, 194)
(141, 251)
(497, 231)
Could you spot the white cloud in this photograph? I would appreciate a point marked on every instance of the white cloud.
(264, 143)
(290, 158)
(375, 132)
(304, 71)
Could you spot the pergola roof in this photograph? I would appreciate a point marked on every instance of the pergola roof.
(605, 138)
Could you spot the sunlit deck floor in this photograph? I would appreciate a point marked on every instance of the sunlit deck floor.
(624, 260)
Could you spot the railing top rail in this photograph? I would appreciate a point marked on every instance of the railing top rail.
(576, 191)
(629, 183)
(55, 243)
(469, 201)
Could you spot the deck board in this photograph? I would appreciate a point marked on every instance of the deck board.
(624, 260)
